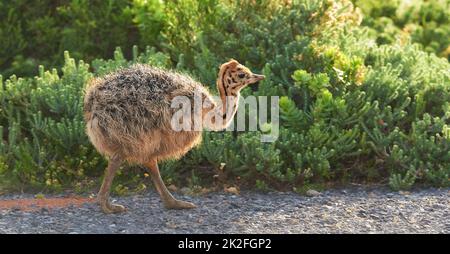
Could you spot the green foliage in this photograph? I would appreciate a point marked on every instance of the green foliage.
(150, 19)
(424, 22)
(44, 144)
(40, 31)
(397, 182)
(354, 105)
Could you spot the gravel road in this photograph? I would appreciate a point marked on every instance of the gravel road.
(355, 210)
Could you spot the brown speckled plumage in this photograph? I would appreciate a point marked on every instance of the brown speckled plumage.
(129, 111)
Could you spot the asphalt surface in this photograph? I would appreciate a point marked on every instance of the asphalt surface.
(355, 210)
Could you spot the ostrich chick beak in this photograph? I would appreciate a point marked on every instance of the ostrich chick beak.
(256, 77)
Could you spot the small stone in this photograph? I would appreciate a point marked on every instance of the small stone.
(172, 188)
(234, 205)
(328, 207)
(44, 210)
(312, 193)
(39, 196)
(375, 217)
(185, 190)
(232, 190)
(171, 225)
(362, 213)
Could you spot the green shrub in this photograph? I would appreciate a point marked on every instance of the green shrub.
(44, 143)
(424, 22)
(350, 109)
(40, 31)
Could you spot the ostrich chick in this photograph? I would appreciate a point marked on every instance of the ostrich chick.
(128, 117)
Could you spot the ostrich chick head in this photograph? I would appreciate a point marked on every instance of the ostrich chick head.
(234, 76)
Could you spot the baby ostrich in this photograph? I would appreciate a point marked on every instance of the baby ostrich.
(128, 115)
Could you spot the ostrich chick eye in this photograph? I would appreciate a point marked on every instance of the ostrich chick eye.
(241, 75)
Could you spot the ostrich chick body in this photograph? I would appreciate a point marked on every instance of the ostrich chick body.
(128, 117)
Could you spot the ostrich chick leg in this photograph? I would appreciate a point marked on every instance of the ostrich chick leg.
(103, 194)
(168, 200)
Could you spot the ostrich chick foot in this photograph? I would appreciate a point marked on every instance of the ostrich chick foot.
(112, 208)
(178, 204)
